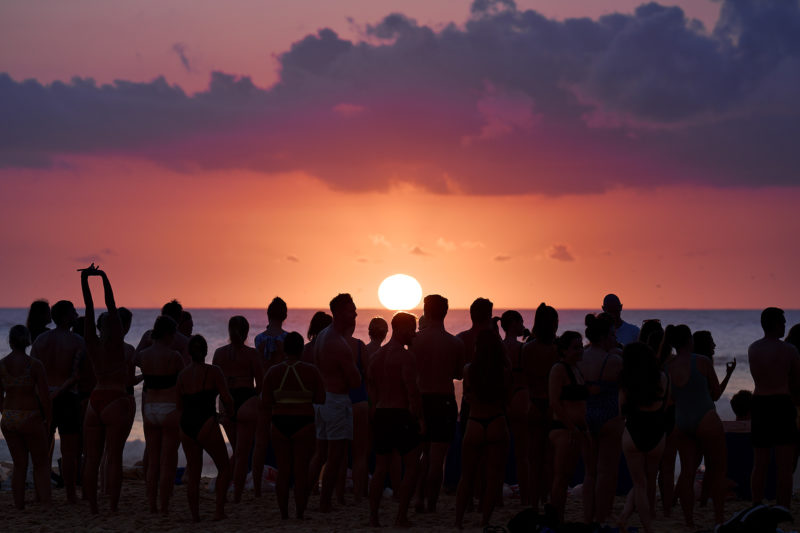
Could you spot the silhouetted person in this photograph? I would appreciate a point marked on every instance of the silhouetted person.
(624, 331)
(38, 318)
(268, 343)
(186, 324)
(60, 350)
(360, 445)
(26, 408)
(569, 433)
(397, 415)
(290, 389)
(160, 365)
(601, 366)
(109, 413)
(775, 366)
(644, 394)
(538, 356)
(180, 342)
(487, 385)
(242, 367)
(652, 333)
(198, 387)
(377, 331)
(319, 321)
(695, 388)
(742, 405)
(793, 337)
(480, 312)
(440, 360)
(335, 360)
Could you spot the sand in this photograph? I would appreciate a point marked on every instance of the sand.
(254, 514)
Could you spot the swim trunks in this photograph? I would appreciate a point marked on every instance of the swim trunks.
(66, 414)
(773, 421)
(334, 418)
(395, 429)
(440, 414)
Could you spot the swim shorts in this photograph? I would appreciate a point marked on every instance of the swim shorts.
(440, 413)
(334, 418)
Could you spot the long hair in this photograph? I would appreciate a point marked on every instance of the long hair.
(641, 375)
(487, 370)
(545, 324)
(674, 337)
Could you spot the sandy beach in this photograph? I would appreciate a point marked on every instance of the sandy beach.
(257, 514)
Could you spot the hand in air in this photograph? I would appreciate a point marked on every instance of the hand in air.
(91, 270)
(730, 366)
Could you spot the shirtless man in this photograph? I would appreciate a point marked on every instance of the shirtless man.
(174, 310)
(440, 360)
(59, 351)
(775, 366)
(336, 363)
(392, 382)
(480, 312)
(626, 333)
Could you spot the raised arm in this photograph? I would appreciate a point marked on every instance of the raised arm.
(89, 321)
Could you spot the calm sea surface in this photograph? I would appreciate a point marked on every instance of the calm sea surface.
(733, 332)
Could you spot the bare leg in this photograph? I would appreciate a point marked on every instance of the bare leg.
(152, 438)
(303, 441)
(210, 438)
(336, 453)
(246, 423)
(435, 473)
(191, 477)
(69, 463)
(19, 454)
(315, 467)
(784, 458)
(376, 487)
(567, 450)
(170, 440)
(360, 449)
(687, 448)
(473, 438)
(496, 456)
(259, 453)
(609, 450)
(283, 456)
(411, 460)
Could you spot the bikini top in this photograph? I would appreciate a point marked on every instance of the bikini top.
(159, 381)
(573, 391)
(606, 387)
(292, 396)
(23, 380)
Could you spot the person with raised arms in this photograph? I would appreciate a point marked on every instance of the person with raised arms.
(397, 414)
(109, 413)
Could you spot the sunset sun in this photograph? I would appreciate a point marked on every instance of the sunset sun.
(400, 292)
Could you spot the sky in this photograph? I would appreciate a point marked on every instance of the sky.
(225, 153)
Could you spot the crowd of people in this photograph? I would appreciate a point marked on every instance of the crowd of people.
(616, 390)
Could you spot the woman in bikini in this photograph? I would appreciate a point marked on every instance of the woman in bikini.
(487, 385)
(27, 412)
(109, 412)
(519, 405)
(198, 387)
(290, 388)
(569, 434)
(695, 387)
(242, 366)
(644, 394)
(538, 357)
(160, 366)
(601, 367)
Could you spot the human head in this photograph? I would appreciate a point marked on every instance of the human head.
(742, 404)
(677, 337)
(378, 329)
(344, 311)
(173, 309)
(545, 324)
(512, 323)
(38, 314)
(277, 310)
(570, 346)
(613, 306)
(600, 330)
(703, 343)
(19, 337)
(198, 348)
(773, 322)
(320, 321)
(435, 307)
(651, 333)
(481, 312)
(164, 328)
(238, 327)
(186, 324)
(404, 327)
(793, 337)
(63, 313)
(293, 344)
(126, 317)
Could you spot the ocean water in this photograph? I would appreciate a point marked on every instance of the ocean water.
(733, 331)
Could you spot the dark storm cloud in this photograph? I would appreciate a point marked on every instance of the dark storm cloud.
(509, 102)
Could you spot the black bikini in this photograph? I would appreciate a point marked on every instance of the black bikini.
(198, 407)
(573, 391)
(159, 381)
(647, 428)
(485, 421)
(241, 395)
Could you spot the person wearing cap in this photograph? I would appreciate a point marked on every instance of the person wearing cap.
(626, 333)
